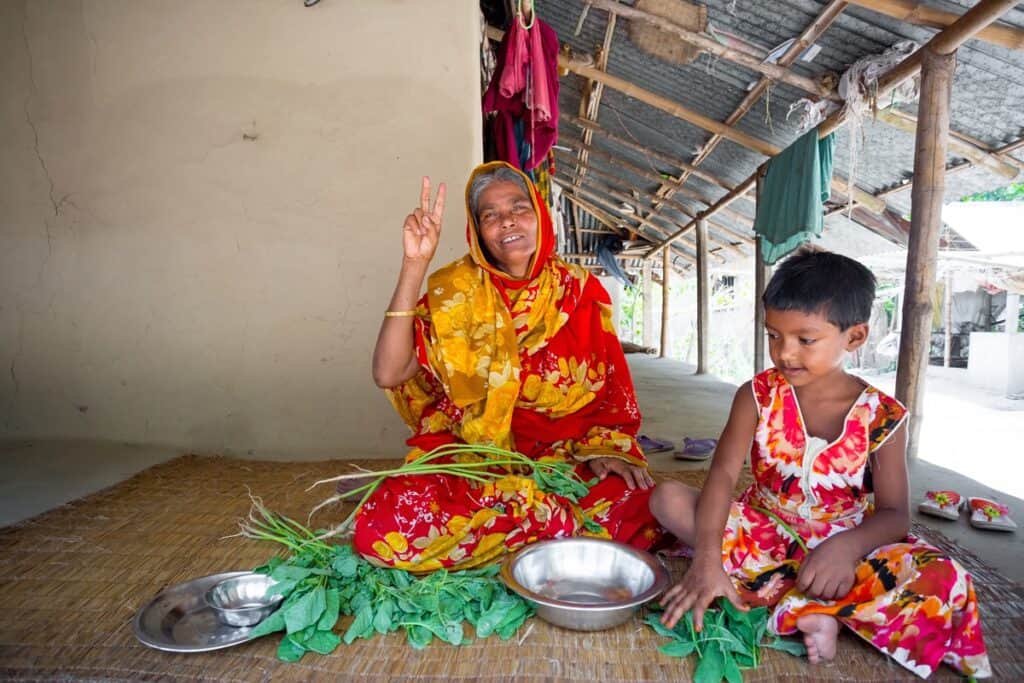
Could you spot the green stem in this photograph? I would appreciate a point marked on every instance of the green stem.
(785, 527)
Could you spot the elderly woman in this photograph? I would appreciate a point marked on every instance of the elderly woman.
(510, 347)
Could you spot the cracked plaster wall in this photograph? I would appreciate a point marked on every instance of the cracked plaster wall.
(201, 208)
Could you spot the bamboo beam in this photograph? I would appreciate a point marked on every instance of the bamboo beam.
(760, 282)
(711, 46)
(597, 203)
(703, 307)
(959, 147)
(666, 281)
(730, 234)
(810, 34)
(603, 220)
(657, 101)
(590, 103)
(686, 192)
(738, 192)
(944, 42)
(647, 152)
(1010, 147)
(926, 222)
(615, 195)
(922, 15)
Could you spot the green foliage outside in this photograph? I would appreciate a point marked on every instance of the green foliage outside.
(1010, 193)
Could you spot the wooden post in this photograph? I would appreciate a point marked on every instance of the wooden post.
(947, 350)
(926, 221)
(703, 308)
(666, 278)
(760, 282)
(648, 323)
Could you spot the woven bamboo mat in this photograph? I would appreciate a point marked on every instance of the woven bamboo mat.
(72, 579)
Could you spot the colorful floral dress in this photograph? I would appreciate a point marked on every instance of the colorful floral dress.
(909, 600)
(532, 365)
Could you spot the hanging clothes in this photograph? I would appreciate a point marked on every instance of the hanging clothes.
(790, 209)
(524, 91)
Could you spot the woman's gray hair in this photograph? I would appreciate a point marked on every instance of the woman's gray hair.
(482, 181)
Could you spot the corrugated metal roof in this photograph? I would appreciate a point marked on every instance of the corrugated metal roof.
(988, 101)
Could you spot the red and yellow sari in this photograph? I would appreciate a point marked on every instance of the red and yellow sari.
(532, 365)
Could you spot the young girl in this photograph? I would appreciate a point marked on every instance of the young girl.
(805, 537)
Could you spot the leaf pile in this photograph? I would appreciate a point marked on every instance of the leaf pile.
(730, 641)
(322, 581)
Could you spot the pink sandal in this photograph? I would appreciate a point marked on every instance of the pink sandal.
(945, 504)
(988, 514)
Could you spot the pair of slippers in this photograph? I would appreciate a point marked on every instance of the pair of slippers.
(984, 513)
(692, 449)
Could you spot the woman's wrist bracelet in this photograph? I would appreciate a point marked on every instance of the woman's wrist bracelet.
(400, 314)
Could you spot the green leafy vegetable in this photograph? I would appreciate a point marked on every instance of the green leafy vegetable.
(321, 581)
(730, 641)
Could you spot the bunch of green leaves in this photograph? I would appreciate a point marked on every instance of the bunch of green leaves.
(321, 581)
(730, 641)
(479, 463)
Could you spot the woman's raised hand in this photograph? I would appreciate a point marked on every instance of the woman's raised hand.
(422, 228)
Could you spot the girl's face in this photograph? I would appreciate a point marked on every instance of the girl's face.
(806, 347)
(508, 226)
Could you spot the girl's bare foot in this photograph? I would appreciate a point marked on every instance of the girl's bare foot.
(820, 633)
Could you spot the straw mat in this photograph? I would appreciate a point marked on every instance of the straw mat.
(73, 578)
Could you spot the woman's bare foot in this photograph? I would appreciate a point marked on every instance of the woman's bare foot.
(820, 634)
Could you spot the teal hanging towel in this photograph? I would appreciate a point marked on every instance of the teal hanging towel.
(796, 184)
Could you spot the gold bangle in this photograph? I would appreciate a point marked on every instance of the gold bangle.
(399, 314)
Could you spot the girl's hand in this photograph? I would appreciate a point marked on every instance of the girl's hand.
(636, 477)
(829, 572)
(422, 228)
(703, 582)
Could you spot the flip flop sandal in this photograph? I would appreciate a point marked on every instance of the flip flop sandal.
(945, 504)
(649, 445)
(696, 449)
(988, 514)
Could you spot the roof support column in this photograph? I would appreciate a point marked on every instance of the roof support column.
(703, 309)
(926, 221)
(666, 277)
(648, 326)
(760, 282)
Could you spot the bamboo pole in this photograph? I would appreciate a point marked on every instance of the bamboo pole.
(737, 192)
(711, 46)
(825, 18)
(647, 275)
(725, 242)
(760, 282)
(959, 147)
(947, 315)
(944, 42)
(703, 308)
(921, 15)
(686, 192)
(1010, 147)
(646, 152)
(926, 221)
(666, 280)
(590, 103)
(601, 204)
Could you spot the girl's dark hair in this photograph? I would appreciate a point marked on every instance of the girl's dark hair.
(817, 281)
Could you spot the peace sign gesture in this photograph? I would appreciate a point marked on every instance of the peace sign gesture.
(422, 227)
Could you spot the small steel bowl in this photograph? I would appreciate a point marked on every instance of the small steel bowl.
(243, 600)
(584, 584)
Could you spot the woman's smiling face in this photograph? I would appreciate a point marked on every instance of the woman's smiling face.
(508, 226)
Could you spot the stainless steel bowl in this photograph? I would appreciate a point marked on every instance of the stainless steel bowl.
(584, 584)
(244, 600)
